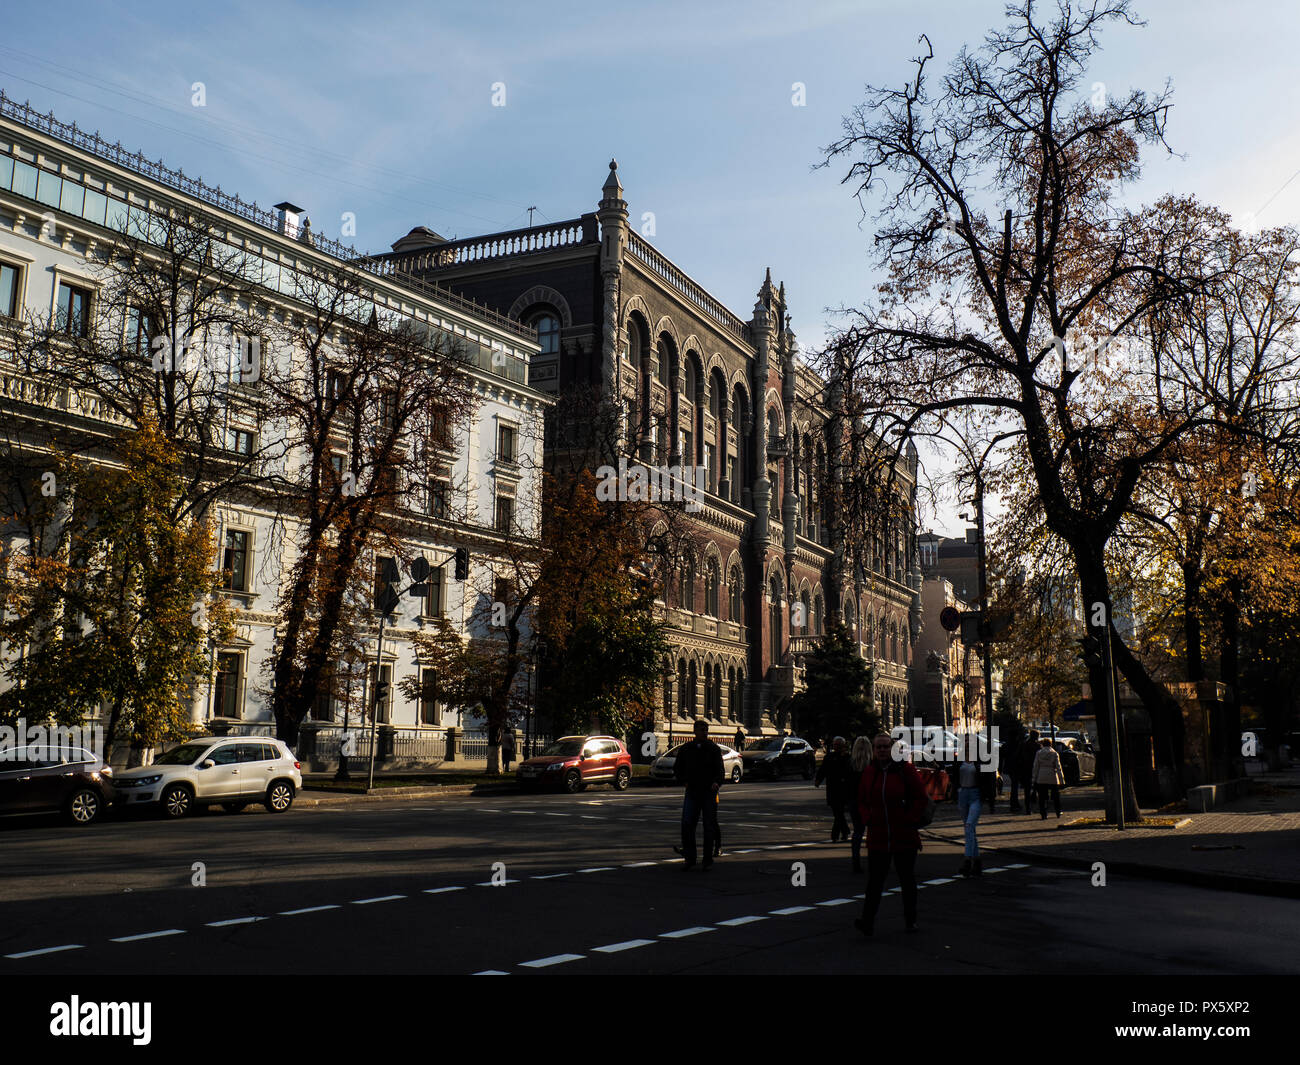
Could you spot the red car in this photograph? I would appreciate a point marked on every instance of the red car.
(573, 762)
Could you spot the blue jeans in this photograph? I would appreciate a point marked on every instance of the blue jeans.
(968, 804)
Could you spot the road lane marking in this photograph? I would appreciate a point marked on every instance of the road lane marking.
(550, 876)
(598, 869)
(682, 933)
(835, 902)
(309, 909)
(46, 950)
(491, 972)
(627, 944)
(1018, 865)
(736, 922)
(378, 898)
(234, 920)
(789, 910)
(555, 959)
(150, 935)
(492, 883)
(441, 890)
(747, 850)
(549, 814)
(638, 865)
(940, 880)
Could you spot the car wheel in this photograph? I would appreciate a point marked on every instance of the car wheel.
(233, 807)
(572, 781)
(84, 806)
(622, 778)
(279, 796)
(735, 774)
(177, 801)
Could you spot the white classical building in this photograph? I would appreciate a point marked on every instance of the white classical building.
(63, 193)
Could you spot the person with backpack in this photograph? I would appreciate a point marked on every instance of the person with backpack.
(894, 805)
(835, 770)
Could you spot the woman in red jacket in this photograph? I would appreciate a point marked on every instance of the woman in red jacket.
(892, 799)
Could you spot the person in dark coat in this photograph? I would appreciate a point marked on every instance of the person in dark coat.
(859, 759)
(1024, 767)
(699, 767)
(740, 739)
(835, 771)
(892, 799)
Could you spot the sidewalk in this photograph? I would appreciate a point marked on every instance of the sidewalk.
(1250, 845)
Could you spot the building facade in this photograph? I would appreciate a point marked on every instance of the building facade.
(64, 196)
(700, 386)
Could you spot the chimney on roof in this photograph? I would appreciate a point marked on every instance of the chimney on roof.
(287, 215)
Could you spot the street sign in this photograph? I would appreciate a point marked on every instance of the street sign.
(950, 618)
(420, 570)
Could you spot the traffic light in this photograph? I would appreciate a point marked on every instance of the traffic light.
(462, 563)
(381, 692)
(1090, 652)
(388, 596)
(420, 571)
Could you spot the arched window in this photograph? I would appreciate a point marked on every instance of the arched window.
(777, 621)
(850, 618)
(548, 332)
(806, 618)
(681, 687)
(731, 692)
(882, 636)
(664, 362)
(711, 588)
(717, 692)
(736, 604)
(819, 615)
(692, 679)
(686, 590)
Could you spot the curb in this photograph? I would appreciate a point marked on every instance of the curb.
(1248, 885)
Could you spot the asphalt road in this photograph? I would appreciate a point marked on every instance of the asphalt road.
(590, 886)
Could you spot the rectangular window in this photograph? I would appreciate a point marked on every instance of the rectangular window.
(74, 310)
(506, 444)
(25, 180)
(235, 561)
(139, 330)
(72, 198)
(228, 698)
(241, 441)
(439, 499)
(95, 207)
(505, 516)
(429, 712)
(440, 430)
(433, 601)
(502, 590)
(9, 276)
(48, 188)
(334, 385)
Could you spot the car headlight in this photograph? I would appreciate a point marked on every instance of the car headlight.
(554, 765)
(149, 780)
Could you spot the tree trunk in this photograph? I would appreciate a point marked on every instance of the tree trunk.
(1230, 672)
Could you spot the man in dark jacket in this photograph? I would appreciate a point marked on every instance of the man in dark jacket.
(1024, 767)
(699, 767)
(836, 770)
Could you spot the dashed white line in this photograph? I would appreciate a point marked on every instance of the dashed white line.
(735, 922)
(443, 890)
(638, 865)
(598, 869)
(378, 898)
(789, 910)
(682, 933)
(491, 883)
(555, 959)
(309, 909)
(550, 876)
(150, 935)
(628, 944)
(234, 920)
(46, 950)
(835, 902)
(1018, 865)
(491, 972)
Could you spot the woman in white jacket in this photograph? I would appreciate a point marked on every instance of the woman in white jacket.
(1047, 776)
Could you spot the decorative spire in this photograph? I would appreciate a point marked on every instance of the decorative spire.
(765, 293)
(612, 191)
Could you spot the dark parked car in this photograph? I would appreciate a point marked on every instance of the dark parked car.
(778, 755)
(1077, 760)
(70, 780)
(573, 762)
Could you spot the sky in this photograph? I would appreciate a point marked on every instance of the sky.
(462, 116)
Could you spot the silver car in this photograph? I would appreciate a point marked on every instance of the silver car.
(234, 772)
(662, 767)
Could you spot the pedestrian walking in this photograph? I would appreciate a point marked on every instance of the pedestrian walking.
(976, 790)
(1024, 767)
(740, 739)
(699, 767)
(893, 802)
(859, 759)
(835, 771)
(507, 747)
(1048, 777)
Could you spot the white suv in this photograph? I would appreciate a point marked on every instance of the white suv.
(231, 771)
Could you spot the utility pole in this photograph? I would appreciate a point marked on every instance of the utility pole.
(985, 634)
